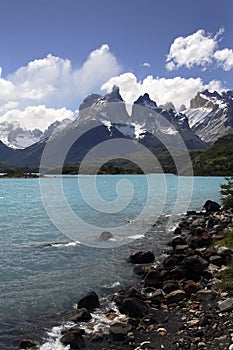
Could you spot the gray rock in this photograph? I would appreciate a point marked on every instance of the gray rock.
(216, 260)
(105, 235)
(195, 266)
(119, 331)
(79, 315)
(142, 258)
(211, 206)
(89, 302)
(177, 241)
(226, 305)
(73, 339)
(205, 295)
(152, 279)
(175, 297)
(134, 307)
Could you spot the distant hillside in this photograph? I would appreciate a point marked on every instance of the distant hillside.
(217, 160)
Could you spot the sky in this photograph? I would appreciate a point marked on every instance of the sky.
(53, 53)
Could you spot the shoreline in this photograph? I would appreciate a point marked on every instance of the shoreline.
(175, 305)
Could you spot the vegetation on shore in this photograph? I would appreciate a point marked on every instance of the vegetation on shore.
(18, 174)
(226, 275)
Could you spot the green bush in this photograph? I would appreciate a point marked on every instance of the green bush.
(227, 193)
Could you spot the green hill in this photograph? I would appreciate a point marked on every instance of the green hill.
(217, 160)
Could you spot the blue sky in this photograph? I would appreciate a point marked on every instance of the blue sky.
(55, 52)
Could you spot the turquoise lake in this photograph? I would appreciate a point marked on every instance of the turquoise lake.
(50, 255)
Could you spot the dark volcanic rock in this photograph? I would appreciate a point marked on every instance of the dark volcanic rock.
(175, 297)
(211, 206)
(28, 343)
(79, 315)
(195, 266)
(142, 258)
(73, 338)
(153, 279)
(89, 302)
(105, 235)
(134, 307)
(119, 330)
(177, 241)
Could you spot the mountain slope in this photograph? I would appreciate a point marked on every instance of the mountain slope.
(102, 119)
(210, 115)
(13, 135)
(5, 152)
(217, 160)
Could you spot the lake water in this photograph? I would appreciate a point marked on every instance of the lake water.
(49, 261)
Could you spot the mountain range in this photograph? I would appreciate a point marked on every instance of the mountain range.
(105, 118)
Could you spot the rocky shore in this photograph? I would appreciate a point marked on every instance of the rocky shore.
(178, 304)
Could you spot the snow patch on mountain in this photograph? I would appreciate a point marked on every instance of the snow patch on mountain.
(15, 136)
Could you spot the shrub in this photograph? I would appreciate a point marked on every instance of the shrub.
(227, 193)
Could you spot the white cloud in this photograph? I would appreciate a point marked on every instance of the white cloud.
(199, 49)
(53, 82)
(195, 49)
(177, 90)
(224, 58)
(146, 65)
(37, 117)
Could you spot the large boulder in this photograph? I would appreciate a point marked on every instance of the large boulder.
(153, 279)
(211, 206)
(194, 267)
(134, 308)
(179, 240)
(142, 258)
(89, 302)
(73, 338)
(79, 315)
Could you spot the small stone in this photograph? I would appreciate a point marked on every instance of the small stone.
(162, 331)
(191, 287)
(97, 337)
(105, 235)
(231, 347)
(192, 323)
(175, 297)
(150, 328)
(226, 305)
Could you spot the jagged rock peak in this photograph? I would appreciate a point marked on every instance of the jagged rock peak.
(167, 106)
(145, 101)
(199, 101)
(114, 95)
(182, 108)
(89, 101)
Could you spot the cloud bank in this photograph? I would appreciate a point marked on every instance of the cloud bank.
(177, 90)
(44, 87)
(199, 49)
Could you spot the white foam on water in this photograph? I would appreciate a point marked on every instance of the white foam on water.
(99, 322)
(68, 244)
(53, 341)
(138, 236)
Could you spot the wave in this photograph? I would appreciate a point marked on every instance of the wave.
(101, 321)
